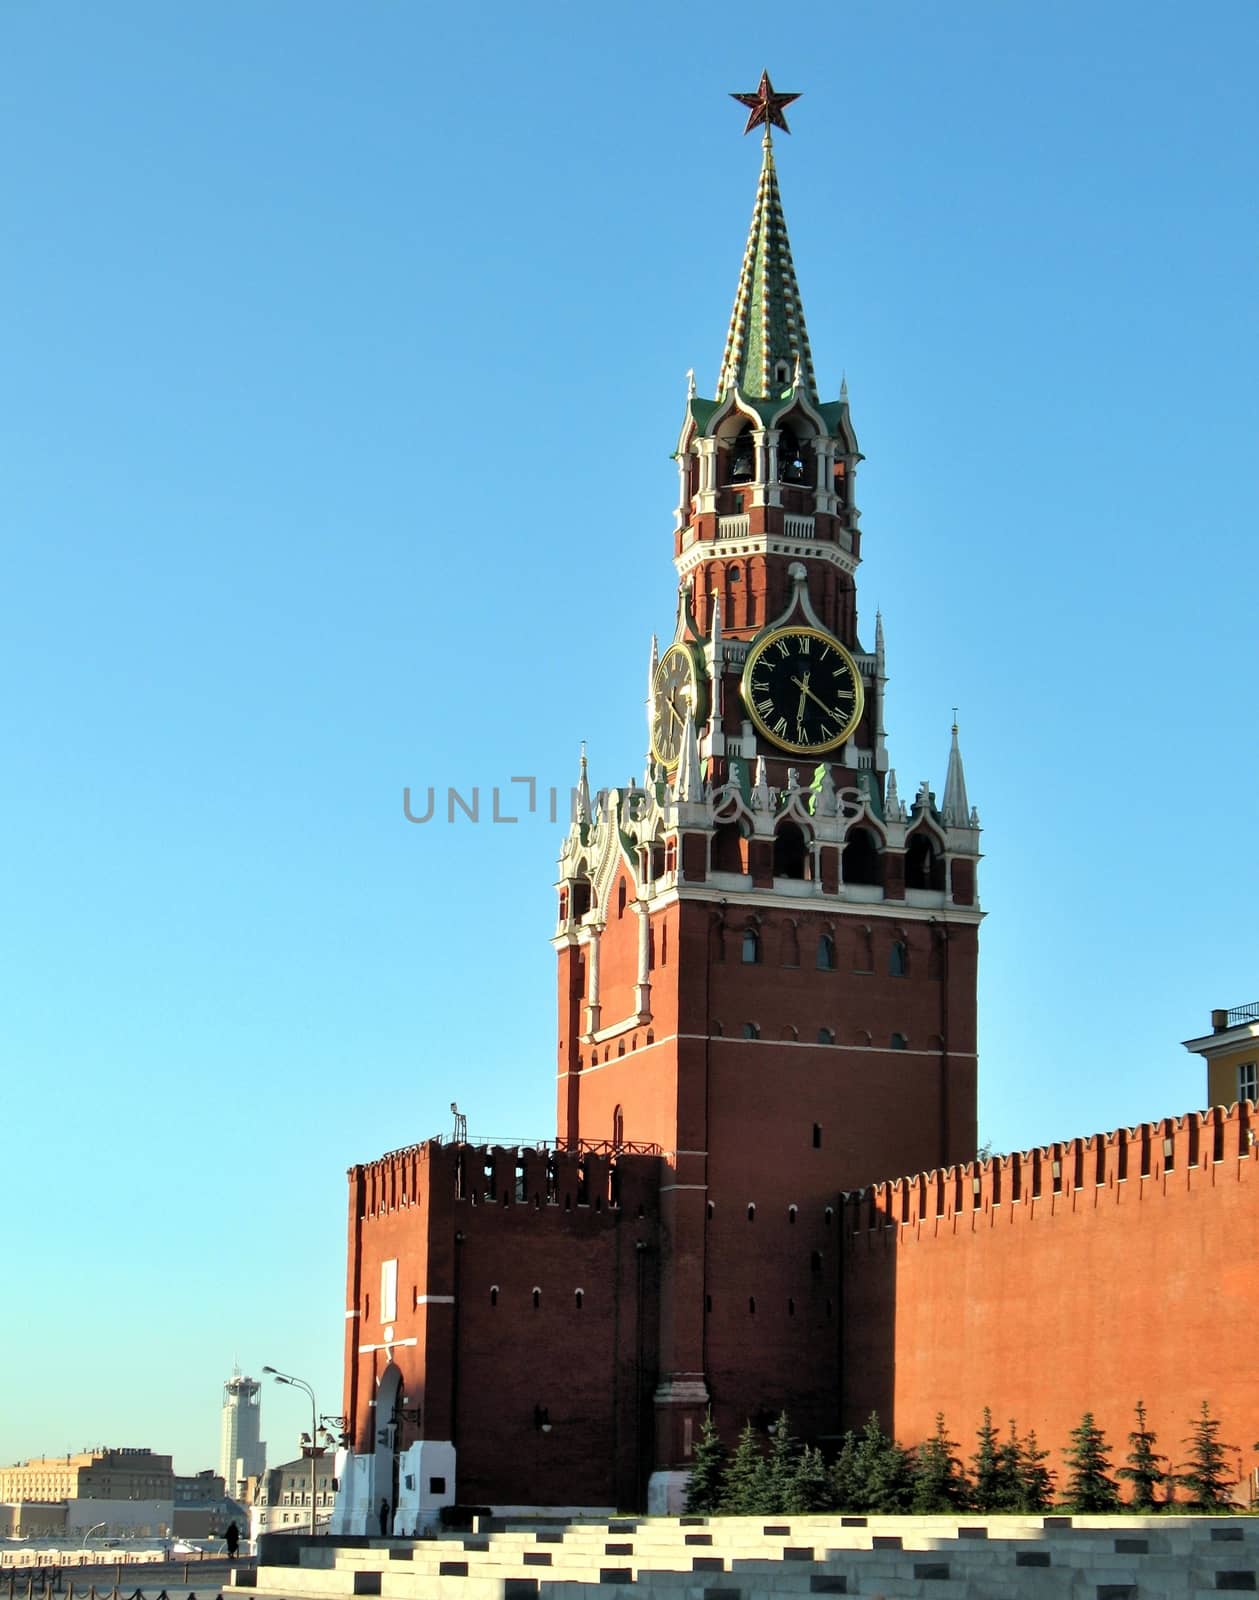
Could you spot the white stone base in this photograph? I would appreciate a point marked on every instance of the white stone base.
(366, 1480)
(426, 1482)
(666, 1494)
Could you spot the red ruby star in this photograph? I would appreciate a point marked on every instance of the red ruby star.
(765, 106)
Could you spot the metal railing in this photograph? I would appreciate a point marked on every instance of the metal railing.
(1240, 1014)
(577, 1147)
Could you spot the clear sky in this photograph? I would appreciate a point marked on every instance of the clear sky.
(345, 351)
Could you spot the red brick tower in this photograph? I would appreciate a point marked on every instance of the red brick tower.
(767, 960)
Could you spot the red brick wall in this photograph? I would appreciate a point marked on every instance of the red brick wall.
(477, 1234)
(1113, 1288)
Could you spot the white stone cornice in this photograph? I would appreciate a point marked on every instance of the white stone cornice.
(731, 891)
(778, 544)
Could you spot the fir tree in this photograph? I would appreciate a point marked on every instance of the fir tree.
(939, 1484)
(1143, 1471)
(872, 1472)
(884, 1469)
(1206, 1474)
(1090, 1486)
(781, 1468)
(847, 1488)
(989, 1491)
(744, 1482)
(811, 1489)
(1035, 1480)
(703, 1487)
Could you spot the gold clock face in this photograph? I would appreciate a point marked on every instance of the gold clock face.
(803, 690)
(675, 691)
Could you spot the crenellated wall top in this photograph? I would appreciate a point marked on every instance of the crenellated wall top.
(1149, 1150)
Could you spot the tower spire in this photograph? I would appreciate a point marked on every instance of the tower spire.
(956, 807)
(767, 346)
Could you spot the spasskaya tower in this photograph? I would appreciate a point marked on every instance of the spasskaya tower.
(767, 957)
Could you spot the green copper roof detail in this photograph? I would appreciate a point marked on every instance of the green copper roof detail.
(767, 341)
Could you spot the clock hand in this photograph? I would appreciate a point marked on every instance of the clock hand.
(804, 688)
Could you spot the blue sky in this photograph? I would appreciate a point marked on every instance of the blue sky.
(346, 350)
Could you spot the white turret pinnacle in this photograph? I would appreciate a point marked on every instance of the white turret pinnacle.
(689, 785)
(892, 802)
(582, 801)
(956, 808)
(716, 629)
(762, 801)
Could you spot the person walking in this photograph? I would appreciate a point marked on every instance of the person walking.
(384, 1518)
(233, 1540)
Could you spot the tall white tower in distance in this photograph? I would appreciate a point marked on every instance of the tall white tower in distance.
(242, 1454)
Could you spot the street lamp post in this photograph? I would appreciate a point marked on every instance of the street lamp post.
(300, 1383)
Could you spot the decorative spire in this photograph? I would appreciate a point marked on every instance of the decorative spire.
(843, 390)
(762, 800)
(716, 628)
(892, 801)
(652, 664)
(690, 383)
(956, 808)
(767, 342)
(880, 652)
(690, 780)
(582, 798)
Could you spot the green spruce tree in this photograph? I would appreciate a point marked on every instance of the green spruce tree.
(939, 1484)
(703, 1487)
(987, 1487)
(845, 1478)
(811, 1489)
(1089, 1484)
(1206, 1475)
(781, 1468)
(1035, 1488)
(884, 1470)
(743, 1483)
(1143, 1471)
(871, 1473)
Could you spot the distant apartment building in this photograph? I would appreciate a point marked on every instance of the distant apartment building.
(282, 1497)
(242, 1454)
(203, 1509)
(100, 1474)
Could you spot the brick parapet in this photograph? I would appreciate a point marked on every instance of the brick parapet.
(1193, 1142)
(486, 1175)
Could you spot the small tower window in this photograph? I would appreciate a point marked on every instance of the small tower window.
(1248, 1081)
(826, 1036)
(791, 852)
(751, 947)
(751, 1030)
(743, 457)
(899, 1042)
(898, 959)
(792, 465)
(618, 1128)
(861, 857)
(537, 1298)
